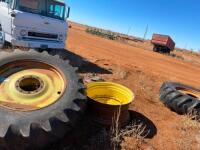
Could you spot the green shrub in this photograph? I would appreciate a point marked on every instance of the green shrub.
(101, 33)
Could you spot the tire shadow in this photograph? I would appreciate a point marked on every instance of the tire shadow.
(149, 128)
(88, 135)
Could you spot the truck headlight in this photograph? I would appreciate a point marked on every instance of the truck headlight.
(60, 37)
(23, 32)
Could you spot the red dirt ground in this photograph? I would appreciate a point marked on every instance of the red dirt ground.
(142, 71)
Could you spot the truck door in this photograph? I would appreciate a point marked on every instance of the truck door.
(6, 19)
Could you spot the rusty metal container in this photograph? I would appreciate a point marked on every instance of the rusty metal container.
(163, 40)
(109, 101)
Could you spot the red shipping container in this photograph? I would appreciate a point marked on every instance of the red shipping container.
(163, 40)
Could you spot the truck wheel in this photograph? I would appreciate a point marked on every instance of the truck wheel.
(41, 99)
(2, 38)
(155, 48)
(168, 51)
(180, 98)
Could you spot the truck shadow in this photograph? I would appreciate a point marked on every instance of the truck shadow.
(84, 66)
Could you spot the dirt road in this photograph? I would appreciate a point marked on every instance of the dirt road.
(143, 71)
(93, 47)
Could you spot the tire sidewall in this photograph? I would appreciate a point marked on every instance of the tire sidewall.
(65, 101)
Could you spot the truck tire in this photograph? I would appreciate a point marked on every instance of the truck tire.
(41, 99)
(155, 49)
(167, 50)
(2, 38)
(180, 98)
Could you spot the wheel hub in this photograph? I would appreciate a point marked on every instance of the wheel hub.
(29, 84)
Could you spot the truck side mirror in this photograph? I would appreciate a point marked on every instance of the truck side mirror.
(68, 12)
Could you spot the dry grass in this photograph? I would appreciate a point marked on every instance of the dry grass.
(187, 56)
(191, 121)
(133, 130)
(190, 132)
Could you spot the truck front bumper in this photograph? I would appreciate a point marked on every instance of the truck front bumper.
(43, 44)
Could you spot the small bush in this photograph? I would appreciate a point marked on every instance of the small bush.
(118, 134)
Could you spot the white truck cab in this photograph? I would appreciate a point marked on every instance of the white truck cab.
(34, 23)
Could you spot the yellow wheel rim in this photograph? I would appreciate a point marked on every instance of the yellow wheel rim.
(109, 93)
(30, 85)
(189, 92)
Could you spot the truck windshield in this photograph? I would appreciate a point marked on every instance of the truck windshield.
(49, 8)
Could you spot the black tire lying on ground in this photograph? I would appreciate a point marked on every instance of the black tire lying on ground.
(48, 117)
(180, 98)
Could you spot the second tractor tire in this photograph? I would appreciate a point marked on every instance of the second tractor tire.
(180, 98)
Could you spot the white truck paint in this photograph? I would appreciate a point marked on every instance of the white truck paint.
(34, 23)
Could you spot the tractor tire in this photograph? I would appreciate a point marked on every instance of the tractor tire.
(75, 60)
(42, 98)
(155, 48)
(180, 98)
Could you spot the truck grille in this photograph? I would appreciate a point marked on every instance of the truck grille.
(43, 35)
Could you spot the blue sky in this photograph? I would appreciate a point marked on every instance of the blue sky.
(178, 18)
